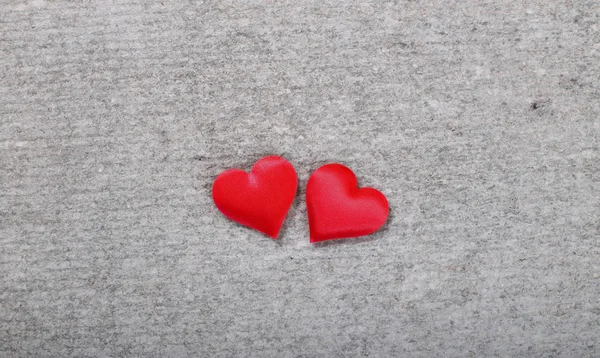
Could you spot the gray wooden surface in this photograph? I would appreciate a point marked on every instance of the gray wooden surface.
(478, 119)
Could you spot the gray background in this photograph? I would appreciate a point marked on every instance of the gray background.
(478, 119)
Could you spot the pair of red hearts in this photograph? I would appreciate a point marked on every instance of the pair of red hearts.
(336, 207)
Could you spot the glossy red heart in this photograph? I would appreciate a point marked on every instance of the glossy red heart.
(338, 209)
(259, 199)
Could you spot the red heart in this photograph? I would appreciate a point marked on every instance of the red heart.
(338, 209)
(259, 199)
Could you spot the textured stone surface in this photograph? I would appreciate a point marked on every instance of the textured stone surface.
(480, 120)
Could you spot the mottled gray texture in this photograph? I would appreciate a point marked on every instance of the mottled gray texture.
(478, 119)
